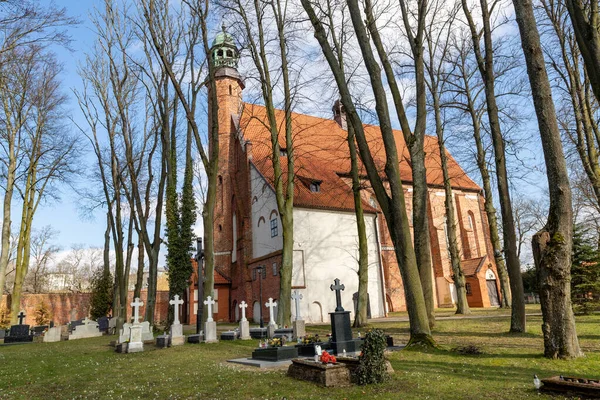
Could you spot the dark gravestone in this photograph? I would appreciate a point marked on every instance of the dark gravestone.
(355, 301)
(196, 338)
(308, 350)
(229, 335)
(258, 333)
(163, 341)
(103, 324)
(341, 333)
(39, 330)
(19, 333)
(287, 332)
(74, 324)
(275, 353)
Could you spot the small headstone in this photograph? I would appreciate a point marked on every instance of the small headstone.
(210, 327)
(163, 341)
(244, 324)
(284, 332)
(2, 333)
(103, 323)
(135, 339)
(39, 330)
(196, 338)
(147, 334)
(112, 326)
(229, 335)
(299, 329)
(88, 329)
(53, 334)
(124, 333)
(74, 324)
(258, 333)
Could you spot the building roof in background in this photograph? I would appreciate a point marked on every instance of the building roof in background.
(473, 266)
(322, 156)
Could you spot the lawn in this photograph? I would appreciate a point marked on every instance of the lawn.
(89, 368)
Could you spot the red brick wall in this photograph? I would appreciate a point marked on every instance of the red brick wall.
(61, 304)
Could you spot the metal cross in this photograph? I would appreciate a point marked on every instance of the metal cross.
(176, 303)
(209, 302)
(136, 310)
(296, 296)
(338, 296)
(21, 317)
(243, 306)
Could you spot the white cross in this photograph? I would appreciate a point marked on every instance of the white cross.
(176, 302)
(297, 297)
(243, 306)
(136, 310)
(87, 321)
(209, 302)
(271, 305)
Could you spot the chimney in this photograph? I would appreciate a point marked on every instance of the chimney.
(339, 114)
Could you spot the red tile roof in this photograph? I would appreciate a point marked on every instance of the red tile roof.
(219, 278)
(321, 154)
(473, 266)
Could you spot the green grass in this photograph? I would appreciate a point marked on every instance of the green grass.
(89, 368)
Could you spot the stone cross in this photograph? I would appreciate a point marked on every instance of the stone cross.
(176, 303)
(297, 297)
(209, 302)
(136, 310)
(87, 321)
(338, 296)
(243, 306)
(271, 305)
(21, 317)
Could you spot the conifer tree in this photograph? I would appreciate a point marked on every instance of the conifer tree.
(102, 293)
(585, 271)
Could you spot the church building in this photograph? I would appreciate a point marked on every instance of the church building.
(248, 231)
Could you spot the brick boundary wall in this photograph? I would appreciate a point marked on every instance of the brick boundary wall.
(61, 304)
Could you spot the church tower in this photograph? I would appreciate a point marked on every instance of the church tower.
(229, 85)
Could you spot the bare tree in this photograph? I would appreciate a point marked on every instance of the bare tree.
(51, 154)
(552, 245)
(392, 202)
(485, 63)
(43, 252)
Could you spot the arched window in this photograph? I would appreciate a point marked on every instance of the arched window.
(234, 228)
(220, 53)
(230, 90)
(229, 53)
(473, 226)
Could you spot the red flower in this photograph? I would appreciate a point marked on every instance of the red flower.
(327, 358)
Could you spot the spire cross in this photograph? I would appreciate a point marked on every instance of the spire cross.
(338, 296)
(21, 317)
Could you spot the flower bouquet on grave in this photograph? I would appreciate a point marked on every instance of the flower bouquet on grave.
(308, 339)
(275, 342)
(327, 358)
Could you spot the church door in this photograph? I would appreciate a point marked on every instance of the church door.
(493, 292)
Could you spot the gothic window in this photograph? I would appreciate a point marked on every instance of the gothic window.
(468, 289)
(274, 269)
(230, 90)
(234, 252)
(229, 53)
(220, 53)
(274, 231)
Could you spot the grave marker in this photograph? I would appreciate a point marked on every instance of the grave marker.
(244, 324)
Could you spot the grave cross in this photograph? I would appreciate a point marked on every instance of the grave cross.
(297, 297)
(21, 317)
(271, 305)
(209, 302)
(136, 310)
(338, 296)
(176, 303)
(87, 321)
(243, 306)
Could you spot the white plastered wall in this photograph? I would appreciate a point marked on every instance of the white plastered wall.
(263, 206)
(326, 243)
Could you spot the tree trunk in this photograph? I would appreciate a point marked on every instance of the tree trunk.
(485, 62)
(393, 207)
(552, 245)
(4, 253)
(360, 319)
(140, 269)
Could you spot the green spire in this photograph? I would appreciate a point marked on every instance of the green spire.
(224, 53)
